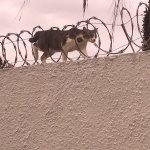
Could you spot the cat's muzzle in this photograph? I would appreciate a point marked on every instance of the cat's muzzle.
(92, 40)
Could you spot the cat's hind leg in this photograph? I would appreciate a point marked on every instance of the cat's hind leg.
(35, 53)
(46, 55)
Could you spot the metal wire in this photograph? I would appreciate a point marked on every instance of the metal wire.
(94, 22)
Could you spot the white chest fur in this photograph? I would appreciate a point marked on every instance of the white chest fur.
(72, 45)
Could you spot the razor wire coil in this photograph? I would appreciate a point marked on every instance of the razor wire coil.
(93, 22)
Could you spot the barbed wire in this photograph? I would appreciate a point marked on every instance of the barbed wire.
(21, 43)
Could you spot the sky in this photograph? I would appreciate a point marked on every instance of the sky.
(49, 13)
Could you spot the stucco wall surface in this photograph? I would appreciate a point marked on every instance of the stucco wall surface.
(98, 104)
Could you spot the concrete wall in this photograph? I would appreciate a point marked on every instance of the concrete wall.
(99, 104)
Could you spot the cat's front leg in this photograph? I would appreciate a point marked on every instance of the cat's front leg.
(84, 54)
(64, 56)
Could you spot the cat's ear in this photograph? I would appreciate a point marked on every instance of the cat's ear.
(96, 29)
(84, 29)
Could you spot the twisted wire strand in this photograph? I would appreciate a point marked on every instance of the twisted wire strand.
(93, 22)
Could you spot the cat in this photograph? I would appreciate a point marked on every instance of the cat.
(52, 41)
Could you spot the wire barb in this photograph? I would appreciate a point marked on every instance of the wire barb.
(23, 53)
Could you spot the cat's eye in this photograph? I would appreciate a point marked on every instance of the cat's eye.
(91, 34)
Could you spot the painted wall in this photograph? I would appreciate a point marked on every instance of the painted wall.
(99, 104)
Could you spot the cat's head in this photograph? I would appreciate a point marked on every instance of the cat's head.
(89, 35)
(83, 35)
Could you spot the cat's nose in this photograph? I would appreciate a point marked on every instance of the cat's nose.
(93, 40)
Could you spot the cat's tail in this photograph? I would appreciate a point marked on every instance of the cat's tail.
(35, 37)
